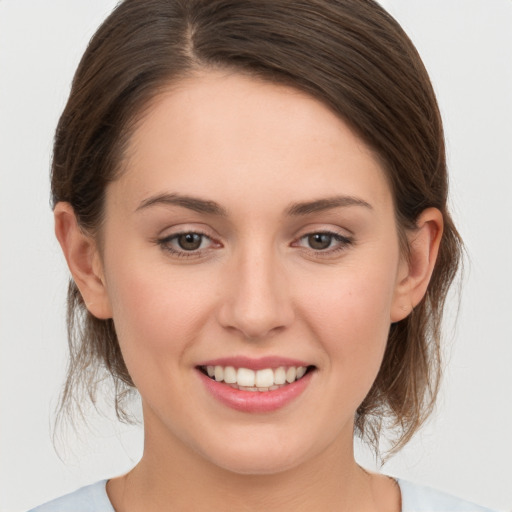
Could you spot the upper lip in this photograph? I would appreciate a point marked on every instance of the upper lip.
(259, 363)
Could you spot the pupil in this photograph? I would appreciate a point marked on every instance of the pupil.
(190, 241)
(319, 241)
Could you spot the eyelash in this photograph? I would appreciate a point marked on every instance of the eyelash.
(165, 244)
(343, 243)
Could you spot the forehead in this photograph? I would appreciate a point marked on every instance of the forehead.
(232, 136)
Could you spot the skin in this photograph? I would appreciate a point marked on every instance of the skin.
(256, 287)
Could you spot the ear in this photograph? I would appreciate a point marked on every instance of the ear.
(84, 262)
(415, 272)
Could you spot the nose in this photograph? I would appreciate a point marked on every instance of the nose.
(256, 300)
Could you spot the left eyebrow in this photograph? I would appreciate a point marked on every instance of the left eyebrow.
(327, 203)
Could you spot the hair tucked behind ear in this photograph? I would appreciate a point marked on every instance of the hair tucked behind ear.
(349, 54)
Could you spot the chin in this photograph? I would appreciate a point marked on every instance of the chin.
(258, 455)
(258, 465)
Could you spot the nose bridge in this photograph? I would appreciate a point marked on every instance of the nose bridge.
(257, 301)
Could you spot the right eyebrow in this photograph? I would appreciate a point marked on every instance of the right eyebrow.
(191, 203)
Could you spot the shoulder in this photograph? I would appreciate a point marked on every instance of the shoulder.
(92, 498)
(417, 498)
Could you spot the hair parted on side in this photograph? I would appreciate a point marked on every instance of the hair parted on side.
(349, 54)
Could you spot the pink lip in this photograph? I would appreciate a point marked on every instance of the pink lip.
(255, 401)
(254, 363)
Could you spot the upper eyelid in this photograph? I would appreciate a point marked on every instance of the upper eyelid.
(179, 229)
(337, 232)
(324, 227)
(170, 236)
(326, 231)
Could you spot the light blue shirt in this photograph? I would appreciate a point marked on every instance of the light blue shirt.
(415, 498)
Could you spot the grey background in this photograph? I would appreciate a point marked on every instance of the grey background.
(466, 449)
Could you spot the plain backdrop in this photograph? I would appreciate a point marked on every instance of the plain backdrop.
(466, 448)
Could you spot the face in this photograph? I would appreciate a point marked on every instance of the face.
(250, 236)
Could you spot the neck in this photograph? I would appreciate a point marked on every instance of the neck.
(172, 477)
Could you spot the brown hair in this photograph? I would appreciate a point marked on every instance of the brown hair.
(349, 54)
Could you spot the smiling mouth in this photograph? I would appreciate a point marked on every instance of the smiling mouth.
(245, 379)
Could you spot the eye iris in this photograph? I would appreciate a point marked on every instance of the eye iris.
(319, 241)
(190, 241)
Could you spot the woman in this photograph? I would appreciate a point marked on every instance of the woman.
(251, 198)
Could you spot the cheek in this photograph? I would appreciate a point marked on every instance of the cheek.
(153, 313)
(352, 324)
(157, 324)
(349, 311)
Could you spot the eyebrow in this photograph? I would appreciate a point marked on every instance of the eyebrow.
(192, 203)
(305, 208)
(211, 207)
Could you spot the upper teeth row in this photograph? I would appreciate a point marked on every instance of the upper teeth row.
(260, 378)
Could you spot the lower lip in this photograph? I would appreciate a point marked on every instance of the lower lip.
(255, 401)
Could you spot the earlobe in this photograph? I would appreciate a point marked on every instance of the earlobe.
(416, 271)
(83, 259)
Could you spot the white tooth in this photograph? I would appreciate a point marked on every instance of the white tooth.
(229, 375)
(272, 388)
(280, 376)
(301, 370)
(245, 377)
(262, 389)
(210, 370)
(264, 378)
(219, 373)
(291, 374)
